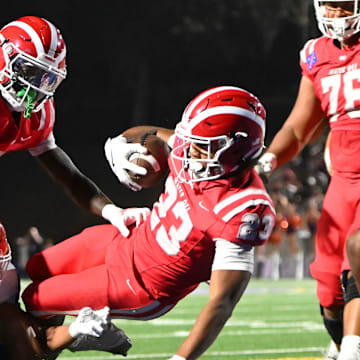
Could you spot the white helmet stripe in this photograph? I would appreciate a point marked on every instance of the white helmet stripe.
(31, 32)
(208, 93)
(53, 44)
(223, 110)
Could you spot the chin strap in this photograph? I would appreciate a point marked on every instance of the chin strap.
(30, 97)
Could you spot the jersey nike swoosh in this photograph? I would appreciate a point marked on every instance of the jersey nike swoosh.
(202, 206)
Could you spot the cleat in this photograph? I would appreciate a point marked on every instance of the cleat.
(112, 340)
(332, 352)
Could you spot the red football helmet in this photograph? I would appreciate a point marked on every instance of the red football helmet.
(32, 62)
(226, 125)
(5, 251)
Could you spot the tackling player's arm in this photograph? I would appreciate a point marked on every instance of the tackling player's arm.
(302, 125)
(226, 289)
(80, 188)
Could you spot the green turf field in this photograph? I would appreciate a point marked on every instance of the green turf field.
(274, 320)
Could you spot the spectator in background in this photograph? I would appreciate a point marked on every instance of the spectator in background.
(26, 246)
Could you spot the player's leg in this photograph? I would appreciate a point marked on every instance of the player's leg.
(73, 255)
(330, 296)
(350, 345)
(66, 294)
(333, 226)
(353, 252)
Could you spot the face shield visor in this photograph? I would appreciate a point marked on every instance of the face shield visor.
(30, 83)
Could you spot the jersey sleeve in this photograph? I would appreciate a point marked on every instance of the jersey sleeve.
(48, 144)
(308, 58)
(233, 256)
(248, 220)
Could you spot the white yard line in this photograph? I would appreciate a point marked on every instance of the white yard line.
(208, 353)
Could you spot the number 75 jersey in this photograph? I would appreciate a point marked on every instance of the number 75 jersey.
(174, 249)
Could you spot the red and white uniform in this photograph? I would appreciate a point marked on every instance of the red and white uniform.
(335, 74)
(34, 134)
(190, 232)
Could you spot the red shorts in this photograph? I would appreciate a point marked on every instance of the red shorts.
(340, 217)
(78, 272)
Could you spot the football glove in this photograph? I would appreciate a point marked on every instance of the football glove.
(122, 218)
(266, 164)
(118, 152)
(90, 322)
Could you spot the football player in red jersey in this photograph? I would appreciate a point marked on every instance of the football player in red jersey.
(25, 337)
(214, 210)
(329, 90)
(32, 65)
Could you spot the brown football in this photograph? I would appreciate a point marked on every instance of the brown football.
(155, 162)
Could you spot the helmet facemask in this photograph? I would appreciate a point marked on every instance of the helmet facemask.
(208, 166)
(340, 28)
(220, 132)
(26, 83)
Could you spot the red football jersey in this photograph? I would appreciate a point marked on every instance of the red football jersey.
(180, 233)
(30, 132)
(335, 74)
(164, 258)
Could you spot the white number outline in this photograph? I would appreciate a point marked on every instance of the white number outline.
(332, 84)
(251, 222)
(170, 240)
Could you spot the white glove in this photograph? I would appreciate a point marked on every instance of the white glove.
(266, 164)
(177, 357)
(118, 152)
(122, 218)
(90, 322)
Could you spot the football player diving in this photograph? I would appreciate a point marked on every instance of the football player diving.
(212, 213)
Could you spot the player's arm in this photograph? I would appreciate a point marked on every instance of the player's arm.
(327, 159)
(304, 123)
(86, 193)
(79, 187)
(226, 289)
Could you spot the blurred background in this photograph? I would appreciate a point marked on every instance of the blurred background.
(141, 62)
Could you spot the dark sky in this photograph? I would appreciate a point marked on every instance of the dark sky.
(140, 62)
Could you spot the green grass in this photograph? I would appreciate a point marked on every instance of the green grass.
(273, 320)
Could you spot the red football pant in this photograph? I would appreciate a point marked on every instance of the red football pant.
(75, 273)
(340, 217)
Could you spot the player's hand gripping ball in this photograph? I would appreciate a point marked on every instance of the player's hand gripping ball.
(155, 161)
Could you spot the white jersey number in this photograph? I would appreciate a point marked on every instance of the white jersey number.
(170, 239)
(351, 85)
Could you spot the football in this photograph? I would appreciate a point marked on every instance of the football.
(155, 162)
